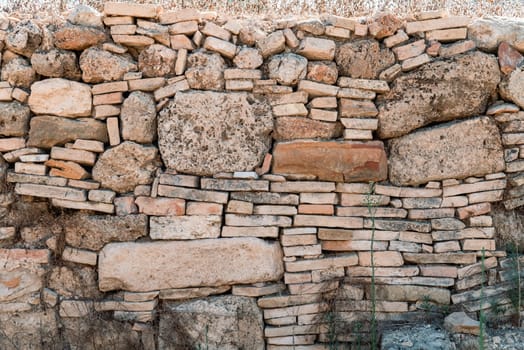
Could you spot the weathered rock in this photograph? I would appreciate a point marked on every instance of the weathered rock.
(171, 264)
(332, 161)
(18, 72)
(61, 97)
(459, 322)
(157, 61)
(287, 68)
(292, 128)
(508, 224)
(249, 34)
(204, 133)
(417, 336)
(125, 166)
(383, 25)
(323, 72)
(185, 227)
(488, 33)
(94, 231)
(98, 65)
(18, 285)
(14, 119)
(363, 59)
(437, 92)
(248, 58)
(85, 15)
(413, 293)
(24, 38)
(449, 151)
(77, 38)
(213, 321)
(56, 63)
(77, 282)
(93, 332)
(138, 118)
(48, 131)
(509, 58)
(512, 87)
(205, 71)
(26, 329)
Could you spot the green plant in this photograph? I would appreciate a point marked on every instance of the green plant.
(206, 345)
(514, 277)
(371, 204)
(482, 320)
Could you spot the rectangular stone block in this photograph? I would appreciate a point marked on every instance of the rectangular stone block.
(266, 198)
(302, 186)
(94, 206)
(357, 108)
(353, 245)
(185, 227)
(192, 194)
(446, 258)
(257, 220)
(380, 259)
(375, 212)
(327, 221)
(234, 185)
(440, 23)
(322, 264)
(251, 231)
(50, 192)
(129, 9)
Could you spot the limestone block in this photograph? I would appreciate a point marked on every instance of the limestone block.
(60, 97)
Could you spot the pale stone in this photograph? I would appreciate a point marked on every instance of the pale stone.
(410, 50)
(459, 322)
(248, 58)
(185, 227)
(399, 38)
(287, 69)
(489, 32)
(156, 268)
(157, 61)
(98, 65)
(175, 129)
(363, 59)
(317, 48)
(290, 128)
(138, 118)
(93, 206)
(456, 48)
(440, 23)
(56, 63)
(47, 98)
(511, 89)
(272, 44)
(50, 192)
(192, 194)
(413, 293)
(343, 260)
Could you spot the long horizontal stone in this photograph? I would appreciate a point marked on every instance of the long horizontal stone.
(250, 231)
(395, 191)
(470, 232)
(93, 206)
(126, 9)
(184, 227)
(342, 235)
(266, 198)
(350, 259)
(413, 293)
(375, 212)
(46, 191)
(234, 185)
(444, 258)
(474, 187)
(440, 23)
(36, 179)
(302, 186)
(192, 194)
(257, 220)
(398, 225)
(142, 267)
(328, 221)
(332, 161)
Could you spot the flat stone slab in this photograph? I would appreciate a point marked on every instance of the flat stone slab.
(437, 92)
(332, 161)
(185, 227)
(453, 150)
(141, 267)
(61, 97)
(204, 132)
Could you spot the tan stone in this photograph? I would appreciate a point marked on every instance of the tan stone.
(473, 210)
(380, 258)
(415, 62)
(443, 258)
(47, 98)
(328, 221)
(317, 49)
(224, 48)
(344, 260)
(160, 206)
(185, 227)
(413, 293)
(445, 35)
(291, 128)
(457, 48)
(202, 208)
(459, 322)
(257, 220)
(399, 38)
(272, 44)
(70, 170)
(440, 23)
(410, 50)
(251, 231)
(98, 65)
(356, 108)
(315, 89)
(50, 192)
(215, 268)
(129, 9)
(192, 194)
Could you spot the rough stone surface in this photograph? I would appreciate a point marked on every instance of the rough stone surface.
(453, 150)
(75, 281)
(332, 161)
(185, 227)
(205, 71)
(512, 88)
(248, 58)
(292, 128)
(224, 322)
(24, 38)
(125, 166)
(459, 322)
(18, 284)
(322, 72)
(157, 61)
(98, 65)
(363, 59)
(437, 92)
(153, 266)
(25, 329)
(56, 63)
(60, 97)
(383, 25)
(422, 336)
(14, 119)
(509, 58)
(93, 332)
(18, 72)
(509, 225)
(288, 68)
(48, 131)
(94, 231)
(85, 15)
(204, 133)
(138, 118)
(77, 38)
(488, 33)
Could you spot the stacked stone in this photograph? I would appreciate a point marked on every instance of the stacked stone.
(168, 126)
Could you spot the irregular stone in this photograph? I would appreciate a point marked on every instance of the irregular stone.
(512, 88)
(459, 322)
(77, 38)
(272, 44)
(363, 59)
(24, 38)
(98, 65)
(248, 58)
(171, 264)
(383, 25)
(56, 63)
(205, 71)
(430, 94)
(14, 119)
(317, 49)
(18, 72)
(291, 128)
(185, 227)
(74, 282)
(332, 161)
(416, 335)
(488, 33)
(450, 151)
(85, 15)
(22, 330)
(48, 131)
(287, 69)
(17, 285)
(508, 224)
(94, 231)
(157, 61)
(48, 97)
(204, 133)
(212, 321)
(125, 166)
(322, 72)
(509, 58)
(138, 118)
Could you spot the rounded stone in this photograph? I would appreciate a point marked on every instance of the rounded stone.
(363, 59)
(14, 119)
(126, 166)
(98, 65)
(85, 15)
(138, 118)
(74, 37)
(205, 71)
(512, 88)
(24, 38)
(288, 68)
(56, 63)
(248, 58)
(157, 61)
(18, 72)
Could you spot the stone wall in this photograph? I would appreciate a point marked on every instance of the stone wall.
(178, 179)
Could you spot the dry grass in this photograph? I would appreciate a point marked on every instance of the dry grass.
(280, 8)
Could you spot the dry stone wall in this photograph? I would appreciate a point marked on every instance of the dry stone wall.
(177, 179)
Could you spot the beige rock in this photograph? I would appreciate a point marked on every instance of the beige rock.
(293, 109)
(257, 220)
(315, 89)
(289, 128)
(98, 65)
(205, 71)
(457, 48)
(160, 206)
(185, 227)
(157, 61)
(248, 58)
(78, 38)
(129, 9)
(225, 48)
(357, 108)
(14, 118)
(113, 131)
(138, 118)
(380, 258)
(445, 35)
(363, 59)
(317, 49)
(86, 16)
(215, 267)
(70, 170)
(512, 88)
(18, 72)
(459, 322)
(180, 121)
(413, 293)
(76, 155)
(272, 44)
(440, 23)
(488, 33)
(192, 194)
(50, 192)
(56, 63)
(24, 38)
(181, 15)
(384, 25)
(288, 68)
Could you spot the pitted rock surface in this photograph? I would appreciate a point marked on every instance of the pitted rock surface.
(98, 65)
(205, 71)
(363, 59)
(204, 133)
